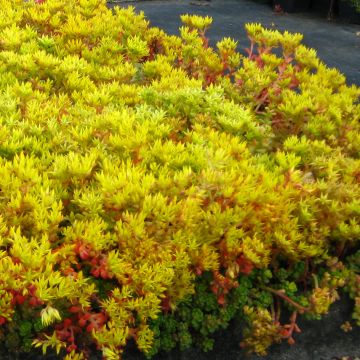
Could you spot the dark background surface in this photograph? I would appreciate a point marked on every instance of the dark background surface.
(337, 43)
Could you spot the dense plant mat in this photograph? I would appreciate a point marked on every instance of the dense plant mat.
(153, 188)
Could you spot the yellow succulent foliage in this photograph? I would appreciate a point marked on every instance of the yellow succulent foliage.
(132, 161)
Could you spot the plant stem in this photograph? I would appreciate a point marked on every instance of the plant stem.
(316, 281)
(282, 295)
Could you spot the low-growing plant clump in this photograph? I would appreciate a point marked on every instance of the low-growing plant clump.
(153, 188)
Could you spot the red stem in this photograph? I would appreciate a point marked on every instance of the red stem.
(281, 294)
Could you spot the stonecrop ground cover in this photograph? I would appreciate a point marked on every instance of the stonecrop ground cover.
(154, 188)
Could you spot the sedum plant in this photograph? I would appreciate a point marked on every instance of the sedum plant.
(154, 188)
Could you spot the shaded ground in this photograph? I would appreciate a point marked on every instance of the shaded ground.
(338, 44)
